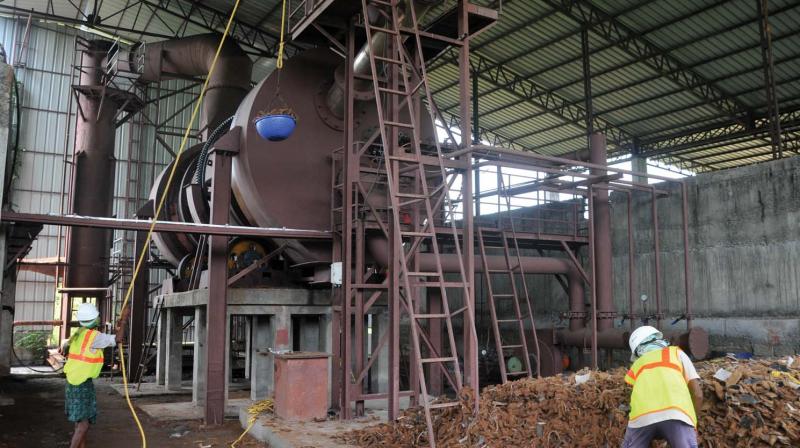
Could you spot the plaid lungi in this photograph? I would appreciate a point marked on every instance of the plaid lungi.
(81, 402)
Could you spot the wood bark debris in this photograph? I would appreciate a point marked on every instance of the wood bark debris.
(759, 408)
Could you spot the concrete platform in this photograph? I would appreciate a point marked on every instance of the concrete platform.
(150, 390)
(155, 390)
(186, 410)
(34, 372)
(278, 433)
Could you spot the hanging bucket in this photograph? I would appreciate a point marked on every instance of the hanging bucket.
(276, 127)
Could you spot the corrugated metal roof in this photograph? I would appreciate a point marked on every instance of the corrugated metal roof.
(715, 43)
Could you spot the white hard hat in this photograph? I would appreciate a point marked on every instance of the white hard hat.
(87, 312)
(642, 334)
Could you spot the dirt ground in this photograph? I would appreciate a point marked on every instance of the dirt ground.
(37, 420)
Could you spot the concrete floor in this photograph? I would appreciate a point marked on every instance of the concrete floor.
(37, 420)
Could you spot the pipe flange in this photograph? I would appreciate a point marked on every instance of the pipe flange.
(325, 114)
(576, 314)
(359, 95)
(606, 314)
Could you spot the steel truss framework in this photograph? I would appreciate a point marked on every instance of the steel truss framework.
(733, 116)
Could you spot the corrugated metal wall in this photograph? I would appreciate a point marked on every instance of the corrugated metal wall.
(44, 73)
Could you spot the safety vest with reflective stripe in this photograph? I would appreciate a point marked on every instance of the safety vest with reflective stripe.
(658, 384)
(83, 362)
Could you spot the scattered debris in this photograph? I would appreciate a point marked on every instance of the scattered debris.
(750, 407)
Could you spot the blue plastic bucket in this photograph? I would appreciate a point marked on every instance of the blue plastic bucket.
(275, 128)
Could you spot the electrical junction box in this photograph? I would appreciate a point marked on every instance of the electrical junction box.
(336, 273)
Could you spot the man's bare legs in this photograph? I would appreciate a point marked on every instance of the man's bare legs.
(79, 438)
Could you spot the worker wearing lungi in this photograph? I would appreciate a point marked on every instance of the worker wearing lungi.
(84, 362)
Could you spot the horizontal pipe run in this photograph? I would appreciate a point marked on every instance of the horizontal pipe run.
(164, 226)
(609, 338)
(27, 323)
(485, 150)
(694, 342)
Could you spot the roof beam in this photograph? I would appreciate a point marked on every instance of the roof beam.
(633, 43)
(718, 133)
(542, 98)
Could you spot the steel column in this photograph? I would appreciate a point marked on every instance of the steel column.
(601, 221)
(773, 113)
(587, 81)
(687, 279)
(657, 256)
(217, 309)
(631, 265)
(470, 346)
(138, 315)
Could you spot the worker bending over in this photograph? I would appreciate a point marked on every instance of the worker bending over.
(666, 395)
(84, 362)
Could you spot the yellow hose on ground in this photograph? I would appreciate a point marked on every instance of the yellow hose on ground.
(157, 213)
(254, 410)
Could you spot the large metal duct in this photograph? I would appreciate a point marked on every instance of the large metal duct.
(229, 83)
(192, 56)
(93, 174)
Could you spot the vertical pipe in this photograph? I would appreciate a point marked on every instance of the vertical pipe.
(470, 345)
(593, 256)
(631, 265)
(657, 255)
(350, 168)
(687, 279)
(66, 313)
(93, 179)
(601, 221)
(358, 333)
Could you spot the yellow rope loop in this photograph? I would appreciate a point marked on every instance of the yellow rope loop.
(254, 410)
(279, 63)
(160, 206)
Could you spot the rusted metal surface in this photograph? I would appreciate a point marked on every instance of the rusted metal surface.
(301, 385)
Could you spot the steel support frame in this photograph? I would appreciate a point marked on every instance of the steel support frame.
(356, 297)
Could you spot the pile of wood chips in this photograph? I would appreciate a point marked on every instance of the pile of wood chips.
(756, 403)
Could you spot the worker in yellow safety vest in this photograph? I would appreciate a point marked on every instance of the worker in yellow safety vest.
(84, 362)
(666, 396)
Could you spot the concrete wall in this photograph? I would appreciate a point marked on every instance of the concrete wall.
(744, 227)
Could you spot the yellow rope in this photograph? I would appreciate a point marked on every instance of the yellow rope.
(157, 213)
(255, 410)
(279, 63)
